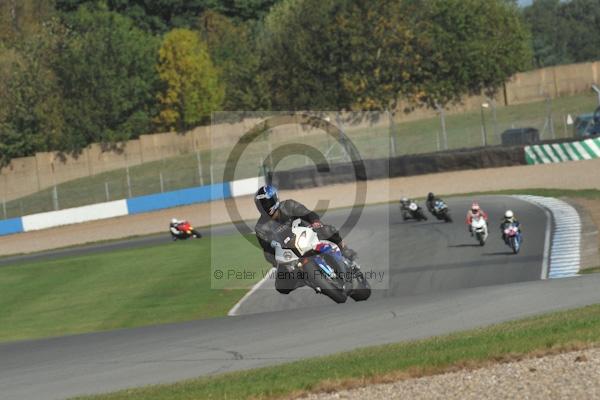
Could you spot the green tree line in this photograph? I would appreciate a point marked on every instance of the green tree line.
(74, 72)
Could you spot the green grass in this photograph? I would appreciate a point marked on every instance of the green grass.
(540, 335)
(590, 270)
(464, 130)
(127, 288)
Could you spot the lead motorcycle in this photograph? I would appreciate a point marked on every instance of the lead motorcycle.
(321, 265)
(513, 237)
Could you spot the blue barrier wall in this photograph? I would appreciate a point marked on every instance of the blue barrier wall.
(9, 226)
(178, 198)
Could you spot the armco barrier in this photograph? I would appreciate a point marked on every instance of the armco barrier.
(548, 153)
(10, 226)
(74, 215)
(488, 157)
(178, 198)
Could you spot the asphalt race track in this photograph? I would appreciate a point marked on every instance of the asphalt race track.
(438, 281)
(425, 257)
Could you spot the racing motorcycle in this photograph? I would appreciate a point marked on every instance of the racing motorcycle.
(441, 211)
(413, 211)
(512, 233)
(186, 231)
(320, 264)
(479, 229)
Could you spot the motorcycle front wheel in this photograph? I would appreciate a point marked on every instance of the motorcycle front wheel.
(332, 288)
(515, 245)
(364, 291)
(481, 239)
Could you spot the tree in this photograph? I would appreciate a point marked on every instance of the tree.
(106, 69)
(161, 16)
(22, 18)
(365, 55)
(192, 89)
(550, 32)
(564, 32)
(303, 54)
(582, 21)
(232, 48)
(383, 52)
(30, 103)
(468, 47)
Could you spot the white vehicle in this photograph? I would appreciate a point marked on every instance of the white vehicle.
(321, 264)
(479, 229)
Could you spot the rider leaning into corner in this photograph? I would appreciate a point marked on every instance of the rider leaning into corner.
(430, 203)
(474, 212)
(404, 203)
(277, 216)
(173, 228)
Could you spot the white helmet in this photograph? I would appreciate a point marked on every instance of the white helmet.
(174, 221)
(509, 214)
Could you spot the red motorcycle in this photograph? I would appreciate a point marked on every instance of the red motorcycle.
(186, 231)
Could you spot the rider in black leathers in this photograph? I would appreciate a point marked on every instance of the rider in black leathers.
(275, 221)
(430, 203)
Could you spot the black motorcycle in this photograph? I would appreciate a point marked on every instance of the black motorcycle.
(440, 211)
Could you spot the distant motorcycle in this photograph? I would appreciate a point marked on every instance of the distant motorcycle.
(513, 237)
(441, 211)
(186, 231)
(413, 211)
(479, 229)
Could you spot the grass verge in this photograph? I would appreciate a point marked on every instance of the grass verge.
(590, 270)
(121, 289)
(547, 334)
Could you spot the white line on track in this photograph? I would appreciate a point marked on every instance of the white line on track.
(257, 286)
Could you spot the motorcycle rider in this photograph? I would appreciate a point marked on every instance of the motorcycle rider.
(430, 202)
(404, 203)
(176, 233)
(474, 212)
(174, 228)
(276, 218)
(509, 219)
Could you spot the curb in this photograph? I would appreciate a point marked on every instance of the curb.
(565, 247)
